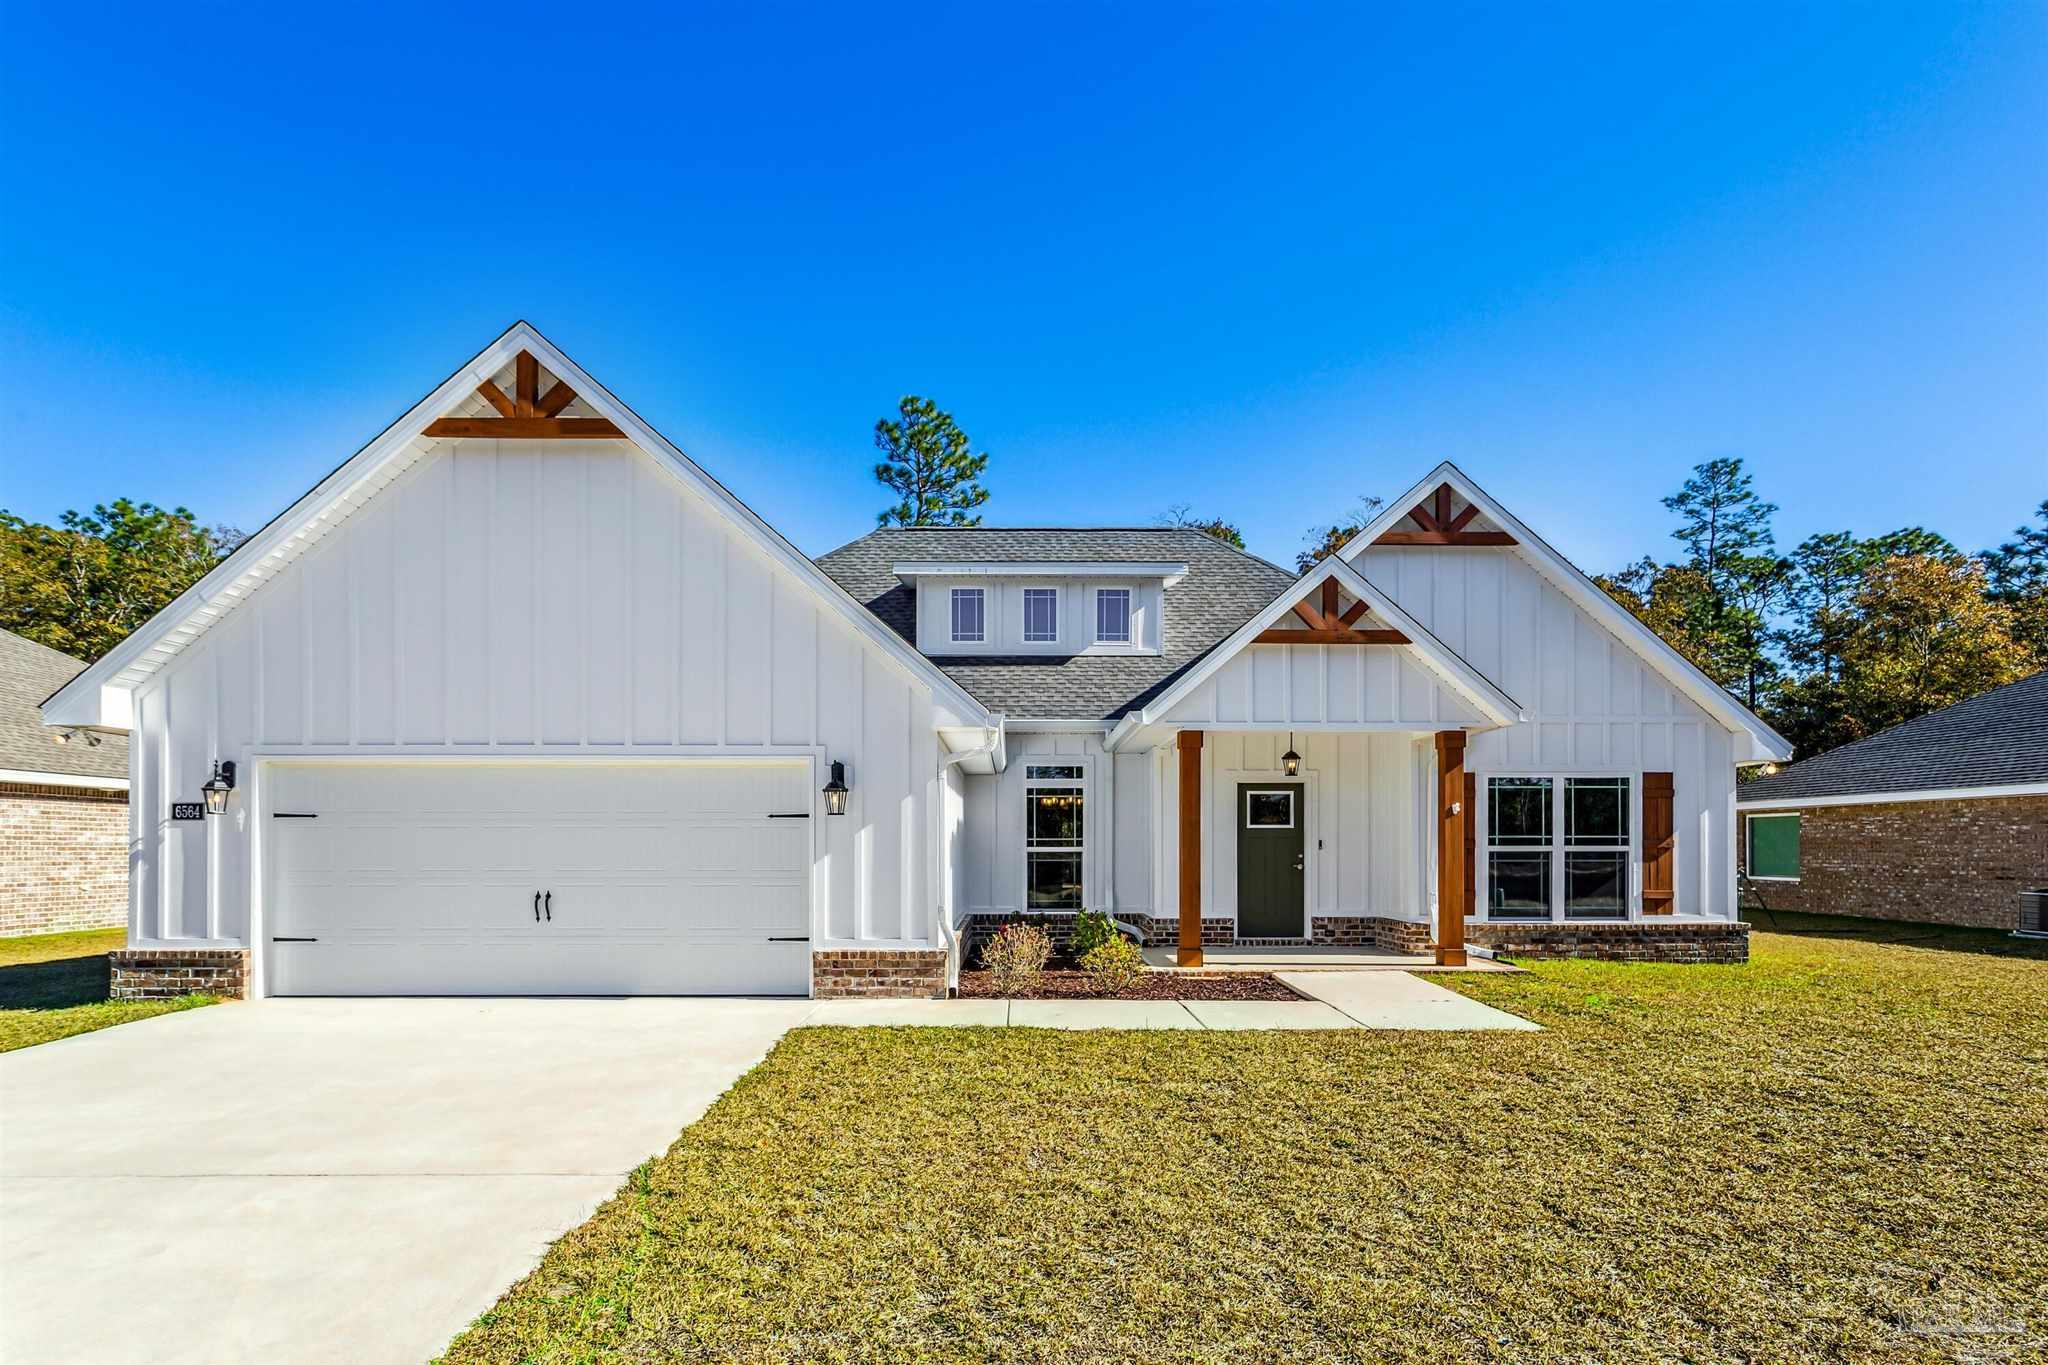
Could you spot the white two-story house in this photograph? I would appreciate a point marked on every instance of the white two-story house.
(519, 699)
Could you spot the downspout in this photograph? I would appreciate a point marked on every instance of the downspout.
(949, 931)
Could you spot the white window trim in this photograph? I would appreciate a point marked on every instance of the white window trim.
(1130, 638)
(1482, 847)
(1033, 593)
(1086, 782)
(1749, 818)
(954, 597)
(1245, 815)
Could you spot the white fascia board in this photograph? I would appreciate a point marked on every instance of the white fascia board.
(1887, 798)
(84, 700)
(911, 569)
(1767, 744)
(1041, 725)
(41, 779)
(1426, 649)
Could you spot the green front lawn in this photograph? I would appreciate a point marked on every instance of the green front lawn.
(1838, 1152)
(55, 985)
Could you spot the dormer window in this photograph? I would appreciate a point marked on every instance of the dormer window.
(1041, 615)
(1112, 616)
(969, 618)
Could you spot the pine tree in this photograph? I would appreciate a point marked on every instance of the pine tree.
(930, 467)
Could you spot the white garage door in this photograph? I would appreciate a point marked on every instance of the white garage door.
(569, 878)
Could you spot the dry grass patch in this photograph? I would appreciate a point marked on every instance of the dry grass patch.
(1835, 1153)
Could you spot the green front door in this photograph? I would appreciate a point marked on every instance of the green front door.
(1271, 860)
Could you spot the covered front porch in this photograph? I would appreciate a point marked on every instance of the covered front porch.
(1320, 848)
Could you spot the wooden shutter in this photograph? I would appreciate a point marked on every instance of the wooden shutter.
(1471, 822)
(1659, 846)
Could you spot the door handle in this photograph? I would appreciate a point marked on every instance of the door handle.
(1301, 862)
(536, 907)
(551, 907)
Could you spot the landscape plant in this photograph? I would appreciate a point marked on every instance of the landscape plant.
(1092, 929)
(1113, 965)
(1016, 956)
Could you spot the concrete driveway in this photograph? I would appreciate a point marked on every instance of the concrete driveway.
(313, 1180)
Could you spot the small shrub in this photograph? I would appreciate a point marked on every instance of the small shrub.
(1092, 929)
(1114, 965)
(1016, 958)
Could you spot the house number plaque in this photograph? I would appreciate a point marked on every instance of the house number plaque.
(188, 810)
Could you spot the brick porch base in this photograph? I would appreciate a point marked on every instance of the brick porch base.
(879, 973)
(167, 973)
(1715, 941)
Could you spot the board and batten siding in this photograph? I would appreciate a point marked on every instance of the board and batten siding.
(1367, 799)
(1329, 686)
(1116, 864)
(548, 599)
(1593, 705)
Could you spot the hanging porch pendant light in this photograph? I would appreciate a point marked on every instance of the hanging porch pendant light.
(1290, 762)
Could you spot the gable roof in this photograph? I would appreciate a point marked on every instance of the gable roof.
(1584, 593)
(1426, 649)
(1996, 740)
(101, 694)
(28, 673)
(1223, 588)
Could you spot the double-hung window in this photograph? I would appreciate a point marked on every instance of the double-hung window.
(1557, 846)
(1113, 616)
(1054, 804)
(1041, 615)
(969, 620)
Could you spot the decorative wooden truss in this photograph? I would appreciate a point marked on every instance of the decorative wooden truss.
(1439, 527)
(1327, 627)
(527, 415)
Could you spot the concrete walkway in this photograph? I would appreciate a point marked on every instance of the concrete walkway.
(1340, 1000)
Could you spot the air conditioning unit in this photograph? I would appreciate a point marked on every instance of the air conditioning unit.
(2034, 913)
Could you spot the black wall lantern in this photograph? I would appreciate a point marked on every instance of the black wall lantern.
(217, 787)
(1290, 762)
(835, 790)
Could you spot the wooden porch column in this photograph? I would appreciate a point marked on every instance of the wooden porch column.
(1188, 953)
(1453, 854)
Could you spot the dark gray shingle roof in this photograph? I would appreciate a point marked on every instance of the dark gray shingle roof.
(29, 672)
(1994, 740)
(1223, 589)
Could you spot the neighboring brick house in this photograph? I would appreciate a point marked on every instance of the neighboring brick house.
(1942, 820)
(63, 807)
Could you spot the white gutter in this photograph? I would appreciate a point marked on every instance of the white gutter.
(948, 930)
(1883, 798)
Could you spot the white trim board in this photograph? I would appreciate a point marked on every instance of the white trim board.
(41, 779)
(1889, 798)
(101, 695)
(1584, 593)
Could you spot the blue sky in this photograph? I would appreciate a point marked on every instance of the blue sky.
(1259, 260)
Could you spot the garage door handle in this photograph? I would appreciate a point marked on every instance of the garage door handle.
(536, 907)
(551, 907)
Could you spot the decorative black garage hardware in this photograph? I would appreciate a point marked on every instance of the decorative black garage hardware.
(795, 938)
(789, 815)
(536, 907)
(279, 938)
(293, 815)
(551, 907)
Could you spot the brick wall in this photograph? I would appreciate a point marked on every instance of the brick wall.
(879, 973)
(63, 859)
(1933, 862)
(166, 973)
(1674, 941)
(1372, 931)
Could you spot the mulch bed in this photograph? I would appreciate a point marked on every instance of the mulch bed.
(1060, 985)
